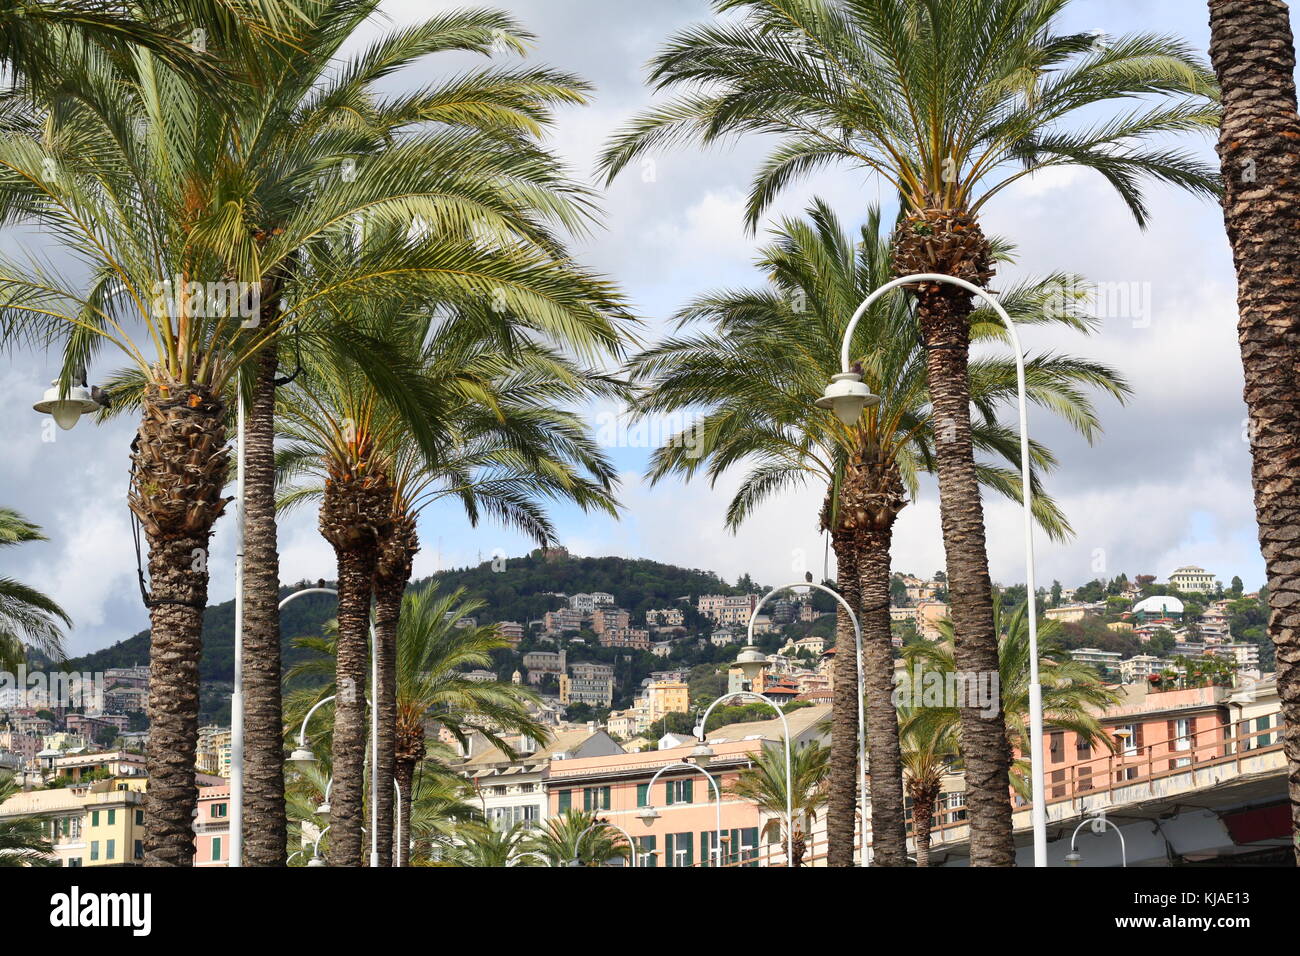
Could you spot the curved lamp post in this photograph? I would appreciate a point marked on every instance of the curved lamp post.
(648, 814)
(1098, 823)
(750, 666)
(577, 844)
(847, 397)
(704, 752)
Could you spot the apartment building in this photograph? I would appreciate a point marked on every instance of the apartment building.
(666, 617)
(587, 682)
(214, 750)
(586, 604)
(1140, 667)
(637, 638)
(510, 631)
(540, 664)
(1067, 613)
(1191, 579)
(212, 827)
(512, 790)
(686, 830)
(95, 824)
(606, 618)
(727, 608)
(561, 620)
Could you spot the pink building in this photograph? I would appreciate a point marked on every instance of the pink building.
(212, 827)
(686, 832)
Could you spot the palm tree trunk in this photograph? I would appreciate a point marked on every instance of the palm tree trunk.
(922, 817)
(395, 565)
(1253, 54)
(352, 518)
(404, 773)
(842, 800)
(888, 826)
(179, 465)
(265, 828)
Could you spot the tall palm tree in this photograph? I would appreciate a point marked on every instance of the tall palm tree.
(949, 104)
(433, 654)
(763, 784)
(929, 752)
(23, 841)
(318, 144)
(1253, 53)
(573, 836)
(756, 376)
(27, 617)
(1073, 693)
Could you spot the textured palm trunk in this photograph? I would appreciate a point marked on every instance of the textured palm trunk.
(395, 564)
(937, 240)
(888, 823)
(265, 829)
(410, 751)
(842, 800)
(922, 816)
(1253, 53)
(179, 468)
(352, 518)
(873, 495)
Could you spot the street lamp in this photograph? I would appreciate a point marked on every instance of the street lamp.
(66, 410)
(577, 844)
(844, 405)
(751, 672)
(648, 814)
(848, 397)
(1098, 824)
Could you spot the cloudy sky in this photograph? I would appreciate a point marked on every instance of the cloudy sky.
(1167, 484)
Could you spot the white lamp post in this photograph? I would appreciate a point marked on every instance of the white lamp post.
(648, 814)
(1098, 824)
(577, 844)
(848, 403)
(66, 410)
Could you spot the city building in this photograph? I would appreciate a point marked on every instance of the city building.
(565, 619)
(667, 697)
(586, 604)
(510, 631)
(637, 638)
(722, 637)
(213, 755)
(666, 617)
(1102, 660)
(1191, 579)
(540, 664)
(685, 832)
(99, 823)
(1140, 667)
(727, 608)
(1067, 613)
(512, 790)
(212, 827)
(606, 618)
(587, 682)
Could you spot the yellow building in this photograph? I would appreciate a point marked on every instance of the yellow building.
(1069, 613)
(96, 824)
(667, 697)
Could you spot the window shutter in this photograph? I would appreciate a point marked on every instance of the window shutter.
(668, 794)
(565, 801)
(689, 838)
(642, 794)
(604, 798)
(670, 858)
(689, 786)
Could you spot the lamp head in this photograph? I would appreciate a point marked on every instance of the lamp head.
(847, 397)
(323, 810)
(751, 662)
(1073, 858)
(66, 411)
(315, 861)
(648, 815)
(302, 758)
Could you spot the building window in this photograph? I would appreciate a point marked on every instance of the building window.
(94, 818)
(1057, 746)
(94, 849)
(139, 850)
(595, 798)
(679, 849)
(564, 800)
(216, 848)
(643, 794)
(139, 818)
(219, 810)
(679, 791)
(112, 850)
(645, 851)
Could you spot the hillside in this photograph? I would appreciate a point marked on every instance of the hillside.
(515, 589)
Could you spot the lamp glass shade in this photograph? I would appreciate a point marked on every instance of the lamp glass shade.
(847, 397)
(66, 410)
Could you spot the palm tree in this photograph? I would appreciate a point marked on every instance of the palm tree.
(1253, 53)
(481, 845)
(27, 617)
(23, 841)
(573, 835)
(319, 145)
(1073, 693)
(757, 374)
(949, 104)
(432, 657)
(763, 784)
(929, 752)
